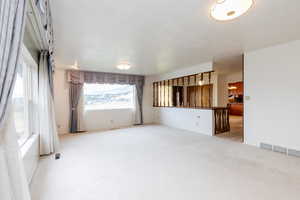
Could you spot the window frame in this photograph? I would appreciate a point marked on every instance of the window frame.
(30, 79)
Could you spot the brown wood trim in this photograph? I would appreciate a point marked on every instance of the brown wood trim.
(160, 103)
(189, 101)
(164, 95)
(157, 94)
(209, 92)
(153, 94)
(195, 92)
(201, 90)
(168, 95)
(198, 107)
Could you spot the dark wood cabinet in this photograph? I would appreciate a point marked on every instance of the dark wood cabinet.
(236, 109)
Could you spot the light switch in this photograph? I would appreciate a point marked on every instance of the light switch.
(247, 98)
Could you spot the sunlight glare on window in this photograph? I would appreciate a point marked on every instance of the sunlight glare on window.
(108, 96)
(19, 106)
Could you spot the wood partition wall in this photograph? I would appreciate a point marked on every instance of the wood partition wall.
(193, 91)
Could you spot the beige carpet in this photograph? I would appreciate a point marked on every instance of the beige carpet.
(160, 163)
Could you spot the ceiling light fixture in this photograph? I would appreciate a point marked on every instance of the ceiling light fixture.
(124, 66)
(232, 88)
(224, 10)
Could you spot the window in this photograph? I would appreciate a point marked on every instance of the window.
(108, 96)
(18, 102)
(25, 98)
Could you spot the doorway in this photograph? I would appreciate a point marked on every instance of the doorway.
(236, 112)
(231, 95)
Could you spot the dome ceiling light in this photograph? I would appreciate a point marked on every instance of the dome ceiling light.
(224, 10)
(124, 66)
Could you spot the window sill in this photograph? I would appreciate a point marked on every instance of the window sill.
(23, 141)
(28, 144)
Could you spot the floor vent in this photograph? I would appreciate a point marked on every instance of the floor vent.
(292, 152)
(279, 149)
(266, 146)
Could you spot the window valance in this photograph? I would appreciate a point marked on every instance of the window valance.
(75, 76)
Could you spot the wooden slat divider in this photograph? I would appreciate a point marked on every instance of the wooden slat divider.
(221, 119)
(188, 88)
(156, 94)
(188, 99)
(201, 90)
(168, 95)
(209, 94)
(153, 94)
(164, 94)
(195, 92)
(160, 104)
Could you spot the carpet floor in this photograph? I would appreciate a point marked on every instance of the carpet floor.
(162, 163)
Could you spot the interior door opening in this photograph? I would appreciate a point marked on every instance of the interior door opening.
(231, 96)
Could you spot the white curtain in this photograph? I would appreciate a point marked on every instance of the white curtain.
(47, 126)
(13, 182)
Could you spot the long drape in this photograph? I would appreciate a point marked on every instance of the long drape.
(50, 74)
(139, 93)
(47, 125)
(74, 96)
(76, 77)
(13, 183)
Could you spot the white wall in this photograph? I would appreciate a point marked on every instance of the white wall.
(61, 101)
(149, 112)
(272, 82)
(94, 120)
(196, 120)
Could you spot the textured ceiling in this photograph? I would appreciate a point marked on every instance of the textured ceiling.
(156, 36)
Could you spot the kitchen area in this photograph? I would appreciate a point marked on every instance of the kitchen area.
(236, 98)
